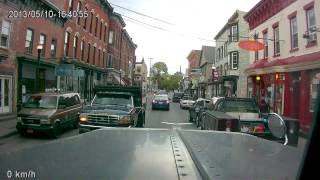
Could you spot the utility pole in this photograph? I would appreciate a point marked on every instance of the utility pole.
(150, 73)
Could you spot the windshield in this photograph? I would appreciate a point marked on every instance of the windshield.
(157, 59)
(41, 102)
(165, 98)
(113, 99)
(240, 106)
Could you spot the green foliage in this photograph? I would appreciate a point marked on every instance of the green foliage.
(165, 81)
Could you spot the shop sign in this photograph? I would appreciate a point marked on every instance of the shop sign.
(68, 70)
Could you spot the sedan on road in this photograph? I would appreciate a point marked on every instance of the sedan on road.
(161, 102)
(186, 102)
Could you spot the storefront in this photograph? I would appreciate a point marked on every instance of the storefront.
(5, 94)
(29, 82)
(292, 91)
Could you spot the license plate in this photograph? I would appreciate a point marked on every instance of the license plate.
(160, 102)
(246, 129)
(29, 130)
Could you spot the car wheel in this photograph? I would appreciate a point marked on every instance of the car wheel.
(22, 132)
(55, 132)
(75, 124)
(140, 122)
(197, 121)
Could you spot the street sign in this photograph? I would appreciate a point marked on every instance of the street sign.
(251, 45)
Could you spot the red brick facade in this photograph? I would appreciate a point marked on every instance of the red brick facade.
(194, 60)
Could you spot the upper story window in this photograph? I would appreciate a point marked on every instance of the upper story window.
(42, 42)
(78, 10)
(29, 40)
(222, 51)
(110, 60)
(105, 33)
(5, 33)
(111, 34)
(265, 43)
(53, 48)
(103, 59)
(311, 25)
(96, 28)
(85, 19)
(99, 56)
(294, 32)
(91, 19)
(70, 5)
(234, 36)
(225, 49)
(89, 51)
(100, 30)
(66, 43)
(234, 60)
(276, 40)
(82, 50)
(75, 46)
(94, 56)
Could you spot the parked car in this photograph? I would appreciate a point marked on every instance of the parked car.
(186, 102)
(161, 102)
(49, 112)
(197, 109)
(246, 110)
(177, 96)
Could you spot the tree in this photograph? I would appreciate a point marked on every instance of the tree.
(158, 71)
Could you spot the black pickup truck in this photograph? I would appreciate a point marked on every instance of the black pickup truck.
(113, 106)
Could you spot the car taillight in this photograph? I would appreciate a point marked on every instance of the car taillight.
(153, 101)
(228, 125)
(168, 101)
(259, 128)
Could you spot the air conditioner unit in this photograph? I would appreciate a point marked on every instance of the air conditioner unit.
(312, 37)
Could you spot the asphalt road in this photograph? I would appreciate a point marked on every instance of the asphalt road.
(154, 119)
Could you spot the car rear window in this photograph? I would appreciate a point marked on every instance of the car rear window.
(161, 98)
(240, 106)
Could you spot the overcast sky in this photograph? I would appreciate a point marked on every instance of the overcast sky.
(187, 21)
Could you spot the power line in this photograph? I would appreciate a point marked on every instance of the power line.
(160, 28)
(141, 14)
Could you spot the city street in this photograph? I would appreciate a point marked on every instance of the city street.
(154, 119)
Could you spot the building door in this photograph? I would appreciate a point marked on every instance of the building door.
(5, 94)
(295, 96)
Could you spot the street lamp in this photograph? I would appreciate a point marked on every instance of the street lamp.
(39, 48)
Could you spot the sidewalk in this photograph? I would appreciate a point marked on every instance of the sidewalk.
(8, 128)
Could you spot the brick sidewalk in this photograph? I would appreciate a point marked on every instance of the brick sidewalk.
(8, 128)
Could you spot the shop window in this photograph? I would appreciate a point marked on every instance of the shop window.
(279, 95)
(314, 90)
(5, 34)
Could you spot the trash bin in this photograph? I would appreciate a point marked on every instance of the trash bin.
(293, 127)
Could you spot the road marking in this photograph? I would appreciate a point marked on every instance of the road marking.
(176, 123)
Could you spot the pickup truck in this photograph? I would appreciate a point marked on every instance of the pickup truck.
(234, 114)
(136, 154)
(113, 106)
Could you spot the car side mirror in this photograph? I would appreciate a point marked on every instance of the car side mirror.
(277, 127)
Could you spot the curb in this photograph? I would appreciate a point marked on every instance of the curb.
(12, 133)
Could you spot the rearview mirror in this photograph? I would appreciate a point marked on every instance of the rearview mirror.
(277, 126)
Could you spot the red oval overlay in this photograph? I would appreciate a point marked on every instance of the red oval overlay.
(251, 45)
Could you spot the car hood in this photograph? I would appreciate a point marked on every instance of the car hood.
(130, 153)
(245, 116)
(29, 112)
(109, 110)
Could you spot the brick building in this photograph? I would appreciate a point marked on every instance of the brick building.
(194, 71)
(85, 46)
(19, 55)
(285, 72)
